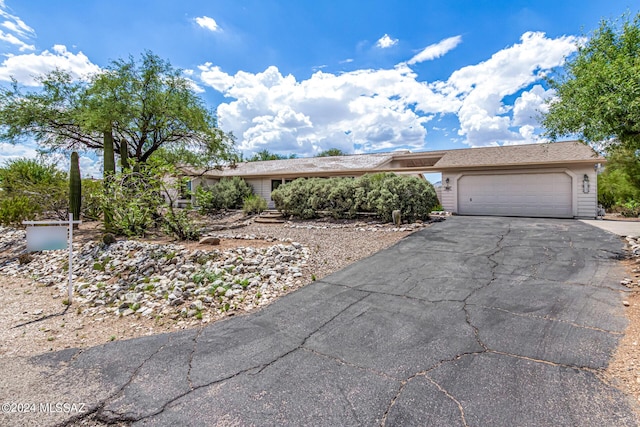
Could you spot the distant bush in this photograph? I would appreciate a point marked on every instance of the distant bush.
(32, 188)
(254, 204)
(344, 197)
(228, 193)
(15, 209)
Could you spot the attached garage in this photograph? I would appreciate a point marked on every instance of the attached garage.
(516, 194)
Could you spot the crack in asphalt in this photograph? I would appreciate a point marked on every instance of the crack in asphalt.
(545, 362)
(195, 348)
(450, 396)
(97, 409)
(549, 318)
(352, 365)
(260, 367)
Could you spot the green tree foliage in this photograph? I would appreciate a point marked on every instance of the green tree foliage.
(344, 197)
(228, 193)
(31, 188)
(332, 152)
(144, 104)
(598, 95)
(619, 184)
(265, 154)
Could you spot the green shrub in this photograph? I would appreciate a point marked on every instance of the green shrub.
(228, 193)
(92, 191)
(45, 187)
(134, 200)
(254, 205)
(630, 209)
(15, 209)
(180, 225)
(344, 197)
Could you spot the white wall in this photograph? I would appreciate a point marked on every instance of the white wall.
(262, 187)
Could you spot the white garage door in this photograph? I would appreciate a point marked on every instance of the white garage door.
(536, 195)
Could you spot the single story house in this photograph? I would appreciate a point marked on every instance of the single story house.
(537, 180)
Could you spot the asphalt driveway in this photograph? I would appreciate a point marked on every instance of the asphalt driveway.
(474, 321)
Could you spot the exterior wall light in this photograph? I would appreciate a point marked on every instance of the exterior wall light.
(447, 187)
(585, 183)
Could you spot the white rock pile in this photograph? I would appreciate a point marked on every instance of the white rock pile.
(634, 249)
(152, 280)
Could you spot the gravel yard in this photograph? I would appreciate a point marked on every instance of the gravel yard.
(133, 288)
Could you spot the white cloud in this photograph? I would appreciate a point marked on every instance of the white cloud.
(436, 50)
(25, 67)
(10, 152)
(482, 87)
(530, 105)
(208, 23)
(372, 109)
(19, 34)
(388, 109)
(385, 42)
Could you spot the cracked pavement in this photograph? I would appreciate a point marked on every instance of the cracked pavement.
(474, 321)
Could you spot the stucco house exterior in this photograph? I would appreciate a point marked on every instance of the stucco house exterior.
(537, 180)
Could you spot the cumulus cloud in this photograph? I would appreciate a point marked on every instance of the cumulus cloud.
(385, 42)
(208, 23)
(483, 86)
(436, 50)
(15, 31)
(370, 109)
(530, 105)
(383, 109)
(24, 68)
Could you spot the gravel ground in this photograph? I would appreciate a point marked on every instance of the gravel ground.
(33, 318)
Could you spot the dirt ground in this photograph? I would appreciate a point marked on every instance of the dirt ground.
(624, 369)
(34, 320)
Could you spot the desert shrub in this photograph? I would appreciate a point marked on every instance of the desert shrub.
(630, 209)
(91, 207)
(413, 196)
(15, 209)
(254, 204)
(344, 197)
(178, 224)
(228, 193)
(33, 185)
(134, 200)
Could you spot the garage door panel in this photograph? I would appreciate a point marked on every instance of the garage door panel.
(538, 194)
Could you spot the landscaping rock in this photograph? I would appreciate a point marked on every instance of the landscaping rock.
(209, 240)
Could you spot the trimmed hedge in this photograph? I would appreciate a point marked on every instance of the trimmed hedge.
(343, 197)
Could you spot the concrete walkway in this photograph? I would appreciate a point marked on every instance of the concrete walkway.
(621, 228)
(471, 322)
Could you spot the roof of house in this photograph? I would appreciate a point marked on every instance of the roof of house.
(303, 166)
(530, 154)
(499, 156)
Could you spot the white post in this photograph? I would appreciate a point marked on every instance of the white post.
(70, 257)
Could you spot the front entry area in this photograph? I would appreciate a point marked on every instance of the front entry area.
(517, 194)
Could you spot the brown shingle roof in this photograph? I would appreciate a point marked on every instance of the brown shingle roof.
(556, 152)
(511, 155)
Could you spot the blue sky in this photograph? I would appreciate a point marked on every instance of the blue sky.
(304, 76)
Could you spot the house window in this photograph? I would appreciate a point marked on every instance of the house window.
(275, 183)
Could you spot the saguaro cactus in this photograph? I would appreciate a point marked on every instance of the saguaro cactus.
(109, 169)
(109, 157)
(75, 187)
(124, 156)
